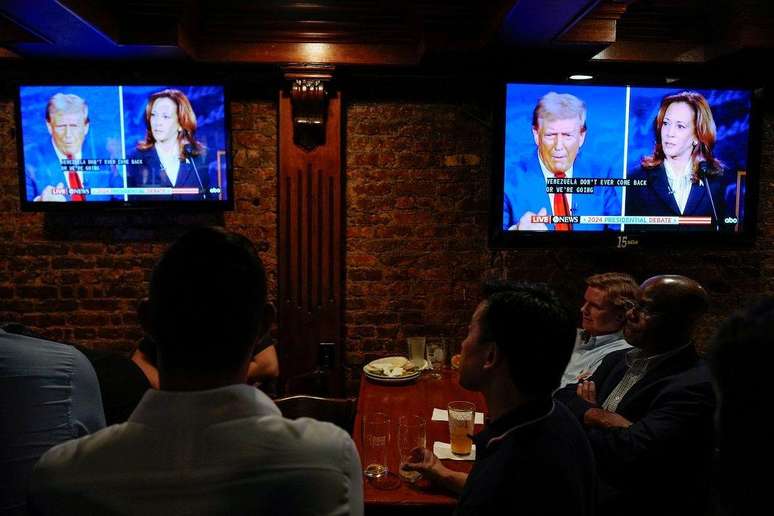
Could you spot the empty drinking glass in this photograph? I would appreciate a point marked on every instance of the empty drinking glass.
(412, 433)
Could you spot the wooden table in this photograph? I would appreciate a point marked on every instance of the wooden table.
(417, 398)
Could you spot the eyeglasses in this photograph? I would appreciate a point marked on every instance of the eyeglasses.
(644, 308)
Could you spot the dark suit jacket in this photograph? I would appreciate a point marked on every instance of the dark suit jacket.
(151, 174)
(656, 199)
(660, 464)
(42, 168)
(525, 190)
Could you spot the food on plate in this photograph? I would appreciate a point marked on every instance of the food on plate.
(391, 367)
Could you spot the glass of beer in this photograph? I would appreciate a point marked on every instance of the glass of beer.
(376, 437)
(462, 416)
(412, 433)
(416, 350)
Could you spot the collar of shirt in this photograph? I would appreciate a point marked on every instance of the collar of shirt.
(495, 431)
(63, 156)
(637, 361)
(202, 408)
(548, 174)
(588, 341)
(679, 182)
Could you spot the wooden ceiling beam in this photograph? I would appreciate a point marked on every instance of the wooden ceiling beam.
(323, 53)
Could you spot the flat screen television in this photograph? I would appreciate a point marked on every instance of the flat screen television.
(123, 146)
(627, 164)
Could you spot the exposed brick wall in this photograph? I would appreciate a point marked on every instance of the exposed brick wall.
(78, 278)
(417, 179)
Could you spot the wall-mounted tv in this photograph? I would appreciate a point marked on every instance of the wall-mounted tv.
(585, 163)
(87, 146)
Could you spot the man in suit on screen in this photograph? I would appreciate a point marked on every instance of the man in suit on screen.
(559, 131)
(53, 172)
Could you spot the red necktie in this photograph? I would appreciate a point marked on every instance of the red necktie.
(560, 207)
(74, 181)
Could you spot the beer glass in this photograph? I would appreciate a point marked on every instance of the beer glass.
(462, 416)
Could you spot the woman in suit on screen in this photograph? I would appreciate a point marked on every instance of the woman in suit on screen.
(684, 178)
(169, 156)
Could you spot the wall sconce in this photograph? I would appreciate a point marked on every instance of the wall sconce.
(309, 100)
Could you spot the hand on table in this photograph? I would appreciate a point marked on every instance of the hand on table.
(425, 462)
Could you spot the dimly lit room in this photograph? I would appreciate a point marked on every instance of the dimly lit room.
(365, 257)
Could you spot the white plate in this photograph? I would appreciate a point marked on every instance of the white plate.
(393, 380)
(394, 361)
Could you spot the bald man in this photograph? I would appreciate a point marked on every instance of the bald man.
(648, 411)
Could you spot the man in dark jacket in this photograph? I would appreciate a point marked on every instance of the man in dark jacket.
(648, 411)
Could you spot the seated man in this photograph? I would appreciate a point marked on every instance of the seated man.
(741, 358)
(263, 367)
(603, 319)
(49, 395)
(648, 411)
(204, 443)
(532, 455)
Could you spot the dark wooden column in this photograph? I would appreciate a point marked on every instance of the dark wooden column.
(311, 224)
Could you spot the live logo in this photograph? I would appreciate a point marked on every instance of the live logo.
(545, 219)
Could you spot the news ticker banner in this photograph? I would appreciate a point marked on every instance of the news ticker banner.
(620, 219)
(141, 191)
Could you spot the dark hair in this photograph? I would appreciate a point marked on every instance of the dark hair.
(534, 330)
(207, 295)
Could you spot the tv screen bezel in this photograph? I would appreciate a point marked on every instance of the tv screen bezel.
(107, 206)
(498, 238)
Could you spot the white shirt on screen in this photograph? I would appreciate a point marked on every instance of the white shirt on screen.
(547, 174)
(221, 451)
(680, 183)
(65, 171)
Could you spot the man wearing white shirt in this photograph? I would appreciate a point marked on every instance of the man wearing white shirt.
(204, 443)
(603, 318)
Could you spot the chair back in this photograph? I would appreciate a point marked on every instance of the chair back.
(339, 411)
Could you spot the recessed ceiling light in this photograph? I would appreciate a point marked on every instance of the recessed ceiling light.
(581, 77)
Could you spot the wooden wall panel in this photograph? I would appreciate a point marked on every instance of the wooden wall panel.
(310, 248)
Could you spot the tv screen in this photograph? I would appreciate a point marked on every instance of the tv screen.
(123, 145)
(583, 160)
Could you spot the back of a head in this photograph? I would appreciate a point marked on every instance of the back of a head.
(680, 300)
(533, 329)
(207, 295)
(740, 358)
(741, 354)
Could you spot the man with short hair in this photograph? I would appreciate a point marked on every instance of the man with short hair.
(205, 443)
(603, 316)
(532, 456)
(559, 130)
(648, 411)
(55, 174)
